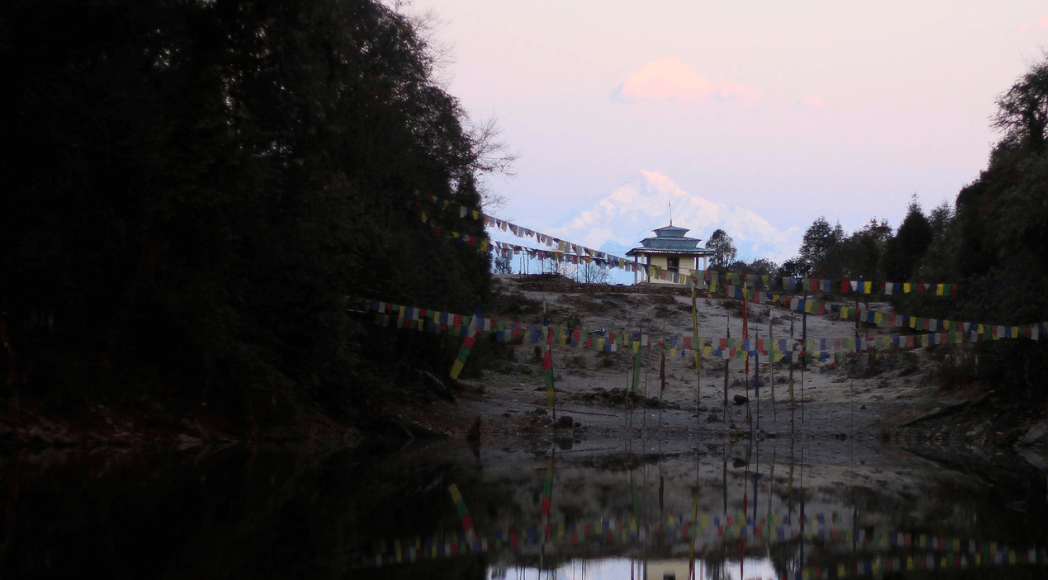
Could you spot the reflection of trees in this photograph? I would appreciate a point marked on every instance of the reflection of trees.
(782, 560)
(716, 567)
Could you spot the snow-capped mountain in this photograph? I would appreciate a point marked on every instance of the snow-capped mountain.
(620, 220)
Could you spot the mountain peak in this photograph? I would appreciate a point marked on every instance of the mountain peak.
(632, 211)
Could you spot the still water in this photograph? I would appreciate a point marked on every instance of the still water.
(643, 508)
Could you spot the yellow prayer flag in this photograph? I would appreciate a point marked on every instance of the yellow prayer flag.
(867, 287)
(939, 289)
(907, 288)
(456, 369)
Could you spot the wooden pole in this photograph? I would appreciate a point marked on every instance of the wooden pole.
(695, 344)
(745, 338)
(662, 386)
(757, 382)
(771, 363)
(727, 363)
(804, 348)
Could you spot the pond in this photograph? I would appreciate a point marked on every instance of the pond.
(790, 507)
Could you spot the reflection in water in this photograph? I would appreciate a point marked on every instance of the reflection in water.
(838, 521)
(779, 508)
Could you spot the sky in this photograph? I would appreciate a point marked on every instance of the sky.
(792, 110)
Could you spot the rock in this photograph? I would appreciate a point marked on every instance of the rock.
(474, 432)
(1034, 436)
(564, 422)
(399, 429)
(740, 400)
(437, 387)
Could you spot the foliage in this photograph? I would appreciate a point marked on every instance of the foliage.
(858, 255)
(819, 240)
(219, 176)
(502, 265)
(591, 273)
(723, 247)
(757, 266)
(903, 252)
(995, 245)
(1022, 113)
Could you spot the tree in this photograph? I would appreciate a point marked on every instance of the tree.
(903, 252)
(723, 249)
(592, 273)
(502, 265)
(791, 268)
(1022, 112)
(221, 175)
(818, 240)
(859, 255)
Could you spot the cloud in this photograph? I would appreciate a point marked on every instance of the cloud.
(811, 102)
(666, 79)
(1043, 22)
(728, 88)
(670, 79)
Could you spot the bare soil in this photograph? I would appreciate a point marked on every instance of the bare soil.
(898, 398)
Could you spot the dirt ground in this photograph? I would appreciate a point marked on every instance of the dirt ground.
(894, 398)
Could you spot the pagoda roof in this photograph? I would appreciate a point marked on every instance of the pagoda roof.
(670, 240)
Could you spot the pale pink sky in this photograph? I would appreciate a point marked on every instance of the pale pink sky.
(790, 109)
